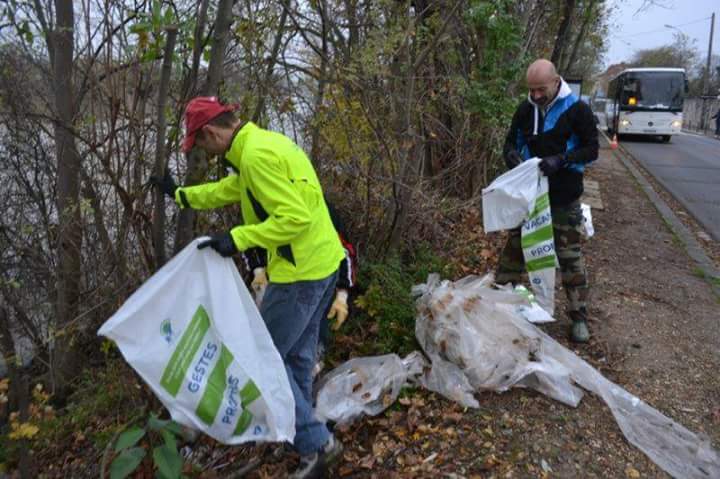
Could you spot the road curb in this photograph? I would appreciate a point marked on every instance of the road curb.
(692, 247)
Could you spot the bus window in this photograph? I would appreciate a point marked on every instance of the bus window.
(631, 92)
(653, 91)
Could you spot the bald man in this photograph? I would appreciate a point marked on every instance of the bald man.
(554, 125)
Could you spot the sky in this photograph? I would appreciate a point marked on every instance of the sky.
(631, 31)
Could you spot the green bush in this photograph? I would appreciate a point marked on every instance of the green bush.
(161, 436)
(386, 307)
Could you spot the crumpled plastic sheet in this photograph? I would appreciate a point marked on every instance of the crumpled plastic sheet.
(477, 328)
(448, 380)
(365, 386)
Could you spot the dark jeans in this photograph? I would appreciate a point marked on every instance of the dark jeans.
(325, 329)
(292, 313)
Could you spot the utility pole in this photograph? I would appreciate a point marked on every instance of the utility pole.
(706, 76)
(706, 79)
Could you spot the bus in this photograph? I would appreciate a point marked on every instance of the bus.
(647, 101)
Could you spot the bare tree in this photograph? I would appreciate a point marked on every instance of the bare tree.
(61, 43)
(196, 158)
(160, 157)
(563, 31)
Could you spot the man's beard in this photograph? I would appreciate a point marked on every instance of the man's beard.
(542, 101)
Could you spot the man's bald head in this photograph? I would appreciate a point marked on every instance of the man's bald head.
(543, 81)
(541, 71)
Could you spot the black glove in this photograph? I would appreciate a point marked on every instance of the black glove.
(552, 164)
(223, 243)
(512, 159)
(166, 184)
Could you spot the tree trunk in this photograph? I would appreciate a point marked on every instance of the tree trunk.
(563, 29)
(580, 38)
(196, 158)
(7, 349)
(534, 19)
(322, 80)
(264, 84)
(158, 225)
(18, 394)
(190, 83)
(68, 196)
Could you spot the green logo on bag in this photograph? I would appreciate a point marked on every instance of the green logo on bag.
(166, 330)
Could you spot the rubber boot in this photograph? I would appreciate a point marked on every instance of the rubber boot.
(579, 332)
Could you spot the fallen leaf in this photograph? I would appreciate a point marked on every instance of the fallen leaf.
(367, 462)
(632, 473)
(453, 416)
(23, 431)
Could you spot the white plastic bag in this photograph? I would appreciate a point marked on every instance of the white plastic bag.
(365, 385)
(588, 229)
(529, 310)
(469, 324)
(193, 333)
(509, 199)
(538, 245)
(521, 197)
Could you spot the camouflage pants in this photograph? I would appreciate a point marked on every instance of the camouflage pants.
(567, 228)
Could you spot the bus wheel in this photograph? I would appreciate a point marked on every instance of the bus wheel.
(665, 138)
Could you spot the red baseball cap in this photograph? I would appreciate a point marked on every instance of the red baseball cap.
(198, 112)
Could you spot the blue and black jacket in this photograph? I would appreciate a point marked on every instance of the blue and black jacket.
(565, 127)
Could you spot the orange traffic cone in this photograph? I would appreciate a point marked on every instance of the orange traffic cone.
(614, 143)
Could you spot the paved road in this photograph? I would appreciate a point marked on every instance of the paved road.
(688, 167)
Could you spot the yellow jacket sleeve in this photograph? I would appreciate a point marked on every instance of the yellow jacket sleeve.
(210, 195)
(288, 215)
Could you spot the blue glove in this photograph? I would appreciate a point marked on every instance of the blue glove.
(552, 164)
(223, 243)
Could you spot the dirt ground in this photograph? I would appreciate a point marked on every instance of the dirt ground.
(655, 325)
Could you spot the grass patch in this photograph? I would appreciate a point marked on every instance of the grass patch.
(714, 281)
(698, 272)
(103, 401)
(384, 313)
(106, 393)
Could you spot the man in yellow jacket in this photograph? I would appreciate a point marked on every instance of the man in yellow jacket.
(284, 212)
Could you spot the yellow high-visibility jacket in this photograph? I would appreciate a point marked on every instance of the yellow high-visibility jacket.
(282, 205)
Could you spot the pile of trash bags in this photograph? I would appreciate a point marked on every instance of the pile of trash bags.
(477, 339)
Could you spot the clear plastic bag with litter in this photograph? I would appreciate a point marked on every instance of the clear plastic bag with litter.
(364, 386)
(479, 329)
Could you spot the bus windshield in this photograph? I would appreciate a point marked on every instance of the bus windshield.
(653, 91)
